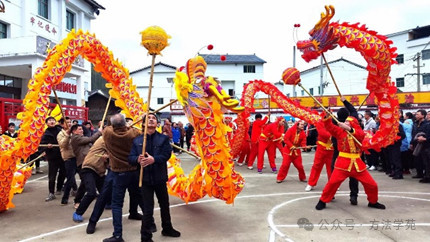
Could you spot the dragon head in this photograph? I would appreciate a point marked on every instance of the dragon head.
(322, 37)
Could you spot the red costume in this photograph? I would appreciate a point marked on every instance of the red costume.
(245, 150)
(257, 128)
(292, 138)
(323, 155)
(349, 163)
(272, 132)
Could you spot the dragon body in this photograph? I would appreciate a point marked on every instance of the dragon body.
(204, 103)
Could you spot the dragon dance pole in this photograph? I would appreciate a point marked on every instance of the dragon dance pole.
(325, 110)
(363, 102)
(106, 110)
(145, 130)
(156, 111)
(186, 151)
(61, 109)
(154, 39)
(331, 74)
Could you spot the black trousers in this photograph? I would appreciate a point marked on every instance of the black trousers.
(56, 166)
(353, 183)
(394, 160)
(93, 183)
(160, 191)
(419, 161)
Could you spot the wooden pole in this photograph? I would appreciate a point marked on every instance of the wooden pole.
(32, 161)
(59, 104)
(331, 74)
(106, 109)
(269, 106)
(145, 131)
(363, 102)
(186, 151)
(304, 89)
(46, 145)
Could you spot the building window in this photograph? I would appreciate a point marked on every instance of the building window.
(160, 100)
(43, 8)
(426, 54)
(400, 82)
(70, 20)
(311, 90)
(248, 69)
(302, 93)
(231, 92)
(319, 90)
(400, 59)
(426, 79)
(3, 31)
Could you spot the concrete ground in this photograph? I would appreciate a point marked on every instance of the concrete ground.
(263, 211)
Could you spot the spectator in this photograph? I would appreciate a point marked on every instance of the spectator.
(88, 128)
(167, 129)
(11, 132)
(406, 153)
(182, 138)
(188, 135)
(370, 126)
(176, 135)
(419, 140)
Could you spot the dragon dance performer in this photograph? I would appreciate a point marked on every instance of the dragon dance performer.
(349, 163)
(271, 133)
(257, 128)
(294, 137)
(323, 156)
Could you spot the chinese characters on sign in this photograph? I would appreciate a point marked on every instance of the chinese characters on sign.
(48, 28)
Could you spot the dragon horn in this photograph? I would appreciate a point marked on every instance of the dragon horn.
(325, 18)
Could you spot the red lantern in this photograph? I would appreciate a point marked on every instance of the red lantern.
(210, 47)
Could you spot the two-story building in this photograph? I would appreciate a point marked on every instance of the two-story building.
(27, 30)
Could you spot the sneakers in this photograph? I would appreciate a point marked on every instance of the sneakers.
(320, 205)
(250, 167)
(274, 170)
(39, 171)
(50, 197)
(114, 239)
(240, 164)
(376, 205)
(308, 188)
(91, 228)
(372, 168)
(77, 218)
(135, 216)
(278, 181)
(33, 172)
(353, 200)
(170, 232)
(260, 171)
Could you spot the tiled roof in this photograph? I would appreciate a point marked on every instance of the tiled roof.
(148, 67)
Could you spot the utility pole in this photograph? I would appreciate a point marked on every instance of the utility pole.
(321, 77)
(418, 74)
(294, 65)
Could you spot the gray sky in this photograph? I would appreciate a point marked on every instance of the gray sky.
(243, 27)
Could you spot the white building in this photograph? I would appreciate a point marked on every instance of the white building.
(27, 28)
(233, 72)
(350, 78)
(412, 74)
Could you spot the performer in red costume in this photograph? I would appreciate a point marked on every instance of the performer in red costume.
(348, 163)
(323, 156)
(257, 128)
(271, 133)
(294, 137)
(245, 150)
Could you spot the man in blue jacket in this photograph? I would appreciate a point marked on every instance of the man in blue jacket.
(154, 165)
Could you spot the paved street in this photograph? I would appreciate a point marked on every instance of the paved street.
(263, 211)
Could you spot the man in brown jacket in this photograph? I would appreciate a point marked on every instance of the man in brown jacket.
(93, 174)
(118, 140)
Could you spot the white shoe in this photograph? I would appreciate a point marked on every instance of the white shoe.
(240, 164)
(309, 188)
(372, 168)
(250, 167)
(33, 172)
